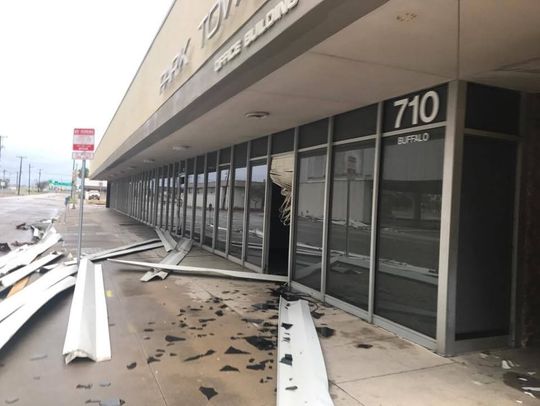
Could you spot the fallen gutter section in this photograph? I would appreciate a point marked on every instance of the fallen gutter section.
(174, 258)
(87, 334)
(192, 270)
(301, 374)
(19, 274)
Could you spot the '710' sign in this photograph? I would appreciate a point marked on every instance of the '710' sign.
(415, 109)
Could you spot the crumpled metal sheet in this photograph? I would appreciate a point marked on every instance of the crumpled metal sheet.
(174, 258)
(182, 269)
(12, 303)
(168, 241)
(87, 334)
(10, 325)
(13, 277)
(29, 253)
(301, 374)
(119, 251)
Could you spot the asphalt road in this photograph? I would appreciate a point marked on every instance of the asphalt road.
(15, 210)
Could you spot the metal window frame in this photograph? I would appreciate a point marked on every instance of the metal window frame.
(449, 228)
(204, 198)
(216, 202)
(326, 204)
(162, 196)
(245, 218)
(267, 204)
(184, 208)
(231, 201)
(194, 198)
(292, 224)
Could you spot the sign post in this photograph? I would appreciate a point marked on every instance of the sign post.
(83, 149)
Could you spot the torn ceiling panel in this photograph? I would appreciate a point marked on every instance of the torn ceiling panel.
(174, 258)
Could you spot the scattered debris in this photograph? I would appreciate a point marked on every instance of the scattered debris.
(11, 401)
(261, 343)
(196, 357)
(506, 364)
(131, 366)
(232, 350)
(81, 386)
(21, 226)
(172, 339)
(123, 250)
(21, 273)
(228, 368)
(4, 247)
(325, 332)
(208, 392)
(88, 327)
(38, 357)
(365, 346)
(166, 238)
(149, 360)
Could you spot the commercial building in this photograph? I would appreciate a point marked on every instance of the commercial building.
(381, 153)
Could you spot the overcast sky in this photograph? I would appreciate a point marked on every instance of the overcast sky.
(66, 64)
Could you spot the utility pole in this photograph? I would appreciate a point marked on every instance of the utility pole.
(29, 169)
(20, 173)
(39, 181)
(4, 179)
(1, 146)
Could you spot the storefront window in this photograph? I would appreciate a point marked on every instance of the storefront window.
(222, 209)
(210, 200)
(257, 193)
(309, 219)
(350, 224)
(199, 189)
(189, 200)
(239, 192)
(409, 228)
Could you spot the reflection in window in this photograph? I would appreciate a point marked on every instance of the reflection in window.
(199, 190)
(223, 204)
(237, 225)
(350, 224)
(210, 209)
(189, 205)
(309, 219)
(257, 189)
(180, 203)
(409, 227)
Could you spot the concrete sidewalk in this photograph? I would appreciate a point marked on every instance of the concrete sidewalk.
(200, 340)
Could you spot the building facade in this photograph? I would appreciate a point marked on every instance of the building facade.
(382, 153)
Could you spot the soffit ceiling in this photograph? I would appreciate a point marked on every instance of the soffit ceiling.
(402, 46)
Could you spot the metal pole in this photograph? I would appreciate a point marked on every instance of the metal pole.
(81, 206)
(29, 169)
(72, 179)
(39, 181)
(1, 146)
(19, 175)
(347, 215)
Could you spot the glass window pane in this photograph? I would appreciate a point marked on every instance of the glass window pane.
(259, 147)
(180, 200)
(356, 123)
(223, 204)
(350, 224)
(257, 193)
(309, 219)
(313, 134)
(409, 228)
(189, 199)
(237, 226)
(486, 223)
(199, 189)
(210, 209)
(283, 141)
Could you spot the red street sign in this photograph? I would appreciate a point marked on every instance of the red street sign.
(83, 139)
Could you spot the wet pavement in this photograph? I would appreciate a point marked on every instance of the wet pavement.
(202, 341)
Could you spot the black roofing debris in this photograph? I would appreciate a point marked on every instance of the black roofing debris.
(325, 332)
(149, 360)
(11, 401)
(261, 343)
(232, 350)
(208, 392)
(4, 247)
(260, 366)
(228, 368)
(172, 339)
(287, 359)
(365, 346)
(196, 357)
(286, 326)
(81, 386)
